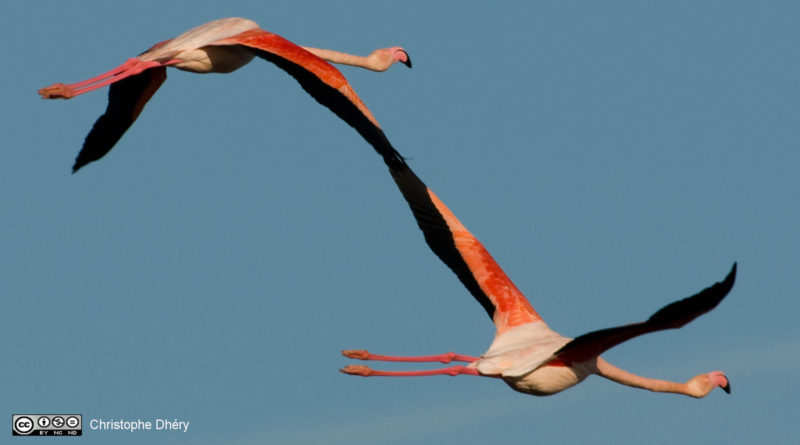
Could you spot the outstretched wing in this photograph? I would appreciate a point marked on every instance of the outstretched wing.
(126, 99)
(671, 316)
(449, 240)
(321, 80)
(463, 253)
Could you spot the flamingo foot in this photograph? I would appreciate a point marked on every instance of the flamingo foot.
(361, 370)
(358, 354)
(57, 91)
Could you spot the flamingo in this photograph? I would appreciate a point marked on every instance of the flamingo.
(222, 46)
(526, 353)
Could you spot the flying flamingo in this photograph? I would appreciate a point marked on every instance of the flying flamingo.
(222, 46)
(526, 353)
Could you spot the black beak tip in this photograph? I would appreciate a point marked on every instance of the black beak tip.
(407, 62)
(727, 388)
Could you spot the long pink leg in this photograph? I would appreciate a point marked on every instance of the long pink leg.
(129, 68)
(366, 371)
(362, 354)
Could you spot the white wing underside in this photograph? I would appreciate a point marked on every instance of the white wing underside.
(521, 350)
(202, 35)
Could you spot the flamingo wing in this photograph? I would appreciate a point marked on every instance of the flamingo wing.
(126, 99)
(321, 80)
(463, 253)
(671, 316)
(448, 239)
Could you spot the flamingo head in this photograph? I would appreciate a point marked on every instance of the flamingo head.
(382, 59)
(703, 384)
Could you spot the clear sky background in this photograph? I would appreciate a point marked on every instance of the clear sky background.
(613, 157)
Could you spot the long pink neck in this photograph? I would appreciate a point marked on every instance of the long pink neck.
(343, 58)
(698, 386)
(618, 375)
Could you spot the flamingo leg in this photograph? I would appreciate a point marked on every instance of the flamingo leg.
(361, 354)
(131, 67)
(366, 371)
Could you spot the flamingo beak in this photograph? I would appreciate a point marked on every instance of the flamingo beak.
(727, 388)
(407, 62)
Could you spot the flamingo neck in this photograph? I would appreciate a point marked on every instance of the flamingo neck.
(611, 372)
(345, 59)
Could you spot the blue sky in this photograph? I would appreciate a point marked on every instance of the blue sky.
(613, 157)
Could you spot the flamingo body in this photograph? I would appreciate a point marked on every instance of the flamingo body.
(526, 353)
(197, 51)
(222, 46)
(548, 379)
(521, 349)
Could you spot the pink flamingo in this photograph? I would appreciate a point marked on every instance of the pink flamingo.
(222, 46)
(526, 353)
